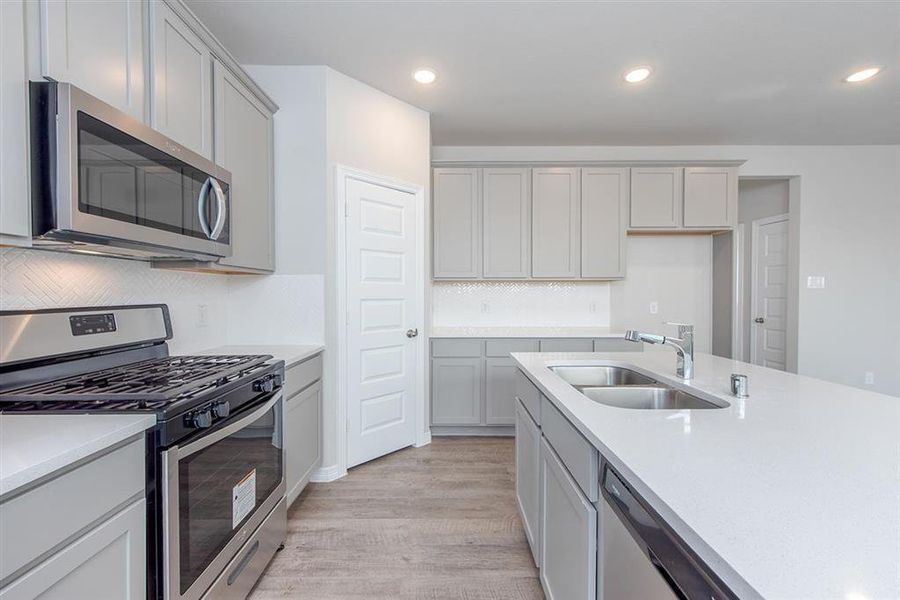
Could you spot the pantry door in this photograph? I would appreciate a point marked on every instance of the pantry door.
(383, 335)
(769, 271)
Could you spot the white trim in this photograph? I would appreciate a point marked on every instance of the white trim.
(342, 173)
(326, 474)
(754, 274)
(737, 301)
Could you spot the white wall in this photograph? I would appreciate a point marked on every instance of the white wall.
(325, 119)
(849, 219)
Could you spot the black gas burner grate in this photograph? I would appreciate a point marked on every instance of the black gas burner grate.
(150, 384)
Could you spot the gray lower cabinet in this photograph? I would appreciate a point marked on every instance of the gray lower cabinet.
(568, 540)
(500, 391)
(302, 424)
(80, 534)
(456, 390)
(302, 444)
(567, 345)
(528, 473)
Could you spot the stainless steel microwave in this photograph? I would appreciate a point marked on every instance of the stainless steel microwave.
(104, 183)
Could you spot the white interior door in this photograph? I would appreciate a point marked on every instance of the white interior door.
(768, 340)
(382, 335)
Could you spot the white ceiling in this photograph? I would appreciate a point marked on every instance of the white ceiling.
(550, 73)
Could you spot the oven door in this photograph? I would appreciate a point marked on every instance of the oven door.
(216, 492)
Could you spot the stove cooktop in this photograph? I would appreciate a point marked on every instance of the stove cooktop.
(147, 385)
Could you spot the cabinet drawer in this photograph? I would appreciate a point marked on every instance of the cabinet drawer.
(617, 345)
(529, 395)
(567, 345)
(503, 347)
(42, 518)
(455, 347)
(576, 453)
(302, 374)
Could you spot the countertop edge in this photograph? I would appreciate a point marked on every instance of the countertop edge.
(45, 468)
(704, 551)
(291, 354)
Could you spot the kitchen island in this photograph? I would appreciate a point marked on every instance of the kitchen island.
(793, 492)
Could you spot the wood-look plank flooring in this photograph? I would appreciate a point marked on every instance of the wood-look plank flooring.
(432, 523)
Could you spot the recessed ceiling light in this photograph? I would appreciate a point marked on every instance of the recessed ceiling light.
(637, 74)
(863, 74)
(425, 76)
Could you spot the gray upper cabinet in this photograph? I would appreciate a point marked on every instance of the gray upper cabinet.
(97, 46)
(457, 223)
(556, 223)
(604, 219)
(656, 197)
(710, 197)
(15, 207)
(180, 82)
(506, 206)
(244, 146)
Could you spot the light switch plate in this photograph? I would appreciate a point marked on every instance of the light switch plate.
(815, 282)
(654, 308)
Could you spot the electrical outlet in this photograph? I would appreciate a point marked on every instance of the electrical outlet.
(593, 307)
(870, 378)
(203, 315)
(815, 282)
(654, 307)
(485, 307)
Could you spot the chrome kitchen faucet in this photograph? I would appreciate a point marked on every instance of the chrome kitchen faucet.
(683, 344)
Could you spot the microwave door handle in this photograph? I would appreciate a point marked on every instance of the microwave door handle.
(221, 210)
(201, 206)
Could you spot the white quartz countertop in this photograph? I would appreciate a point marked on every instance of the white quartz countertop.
(33, 446)
(290, 354)
(793, 492)
(525, 332)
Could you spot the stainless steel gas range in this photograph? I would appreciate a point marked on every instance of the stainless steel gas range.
(215, 460)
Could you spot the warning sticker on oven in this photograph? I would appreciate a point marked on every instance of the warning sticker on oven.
(243, 498)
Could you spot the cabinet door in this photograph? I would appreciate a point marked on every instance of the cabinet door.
(456, 388)
(15, 203)
(528, 471)
(500, 391)
(568, 534)
(506, 207)
(604, 205)
(555, 228)
(710, 197)
(457, 223)
(656, 194)
(107, 562)
(244, 141)
(181, 81)
(97, 45)
(302, 440)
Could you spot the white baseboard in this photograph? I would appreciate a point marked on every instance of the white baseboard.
(326, 474)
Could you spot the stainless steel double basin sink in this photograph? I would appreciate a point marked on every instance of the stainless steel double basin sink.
(624, 388)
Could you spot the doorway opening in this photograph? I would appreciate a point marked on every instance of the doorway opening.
(756, 276)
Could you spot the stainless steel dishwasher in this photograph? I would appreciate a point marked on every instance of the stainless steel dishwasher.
(640, 557)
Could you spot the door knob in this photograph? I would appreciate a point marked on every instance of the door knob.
(411, 333)
(759, 320)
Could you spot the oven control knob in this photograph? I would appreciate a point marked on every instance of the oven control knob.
(221, 409)
(201, 419)
(264, 385)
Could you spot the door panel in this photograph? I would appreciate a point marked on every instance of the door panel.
(770, 267)
(500, 391)
(528, 471)
(604, 201)
(381, 296)
(457, 223)
(656, 197)
(456, 391)
(507, 223)
(556, 218)
(710, 196)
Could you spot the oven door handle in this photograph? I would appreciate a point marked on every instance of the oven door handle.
(219, 434)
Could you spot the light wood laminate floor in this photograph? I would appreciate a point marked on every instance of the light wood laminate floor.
(438, 522)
